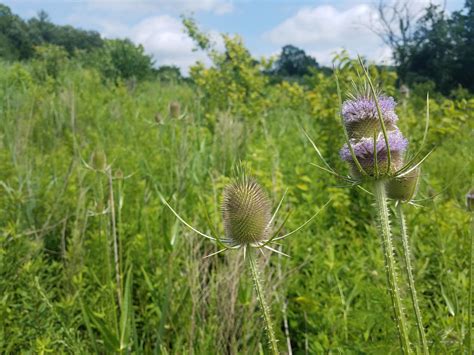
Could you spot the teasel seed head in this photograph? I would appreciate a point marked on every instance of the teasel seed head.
(99, 160)
(175, 109)
(364, 152)
(246, 211)
(361, 116)
(404, 188)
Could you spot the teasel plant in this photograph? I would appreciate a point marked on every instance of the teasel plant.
(375, 150)
(249, 226)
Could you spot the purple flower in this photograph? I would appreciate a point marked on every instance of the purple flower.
(365, 108)
(364, 148)
(364, 151)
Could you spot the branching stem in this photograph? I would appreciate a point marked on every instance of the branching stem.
(411, 280)
(387, 244)
(263, 303)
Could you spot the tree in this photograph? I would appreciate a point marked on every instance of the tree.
(395, 25)
(168, 73)
(463, 33)
(15, 42)
(294, 62)
(434, 46)
(43, 31)
(119, 58)
(431, 51)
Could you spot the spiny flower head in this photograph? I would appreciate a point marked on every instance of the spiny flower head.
(364, 152)
(246, 211)
(361, 116)
(404, 187)
(174, 109)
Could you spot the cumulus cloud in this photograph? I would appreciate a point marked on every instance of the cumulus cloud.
(323, 30)
(163, 37)
(147, 6)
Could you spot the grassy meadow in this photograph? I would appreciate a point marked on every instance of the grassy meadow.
(91, 261)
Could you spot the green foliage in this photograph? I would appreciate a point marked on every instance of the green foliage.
(168, 73)
(125, 60)
(234, 81)
(119, 59)
(49, 60)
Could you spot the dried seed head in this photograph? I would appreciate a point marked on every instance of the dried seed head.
(246, 211)
(404, 188)
(364, 152)
(361, 116)
(470, 200)
(175, 109)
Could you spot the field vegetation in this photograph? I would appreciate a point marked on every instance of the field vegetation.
(92, 261)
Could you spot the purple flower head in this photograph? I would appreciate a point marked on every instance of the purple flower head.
(364, 151)
(364, 108)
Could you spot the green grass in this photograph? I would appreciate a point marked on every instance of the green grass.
(58, 280)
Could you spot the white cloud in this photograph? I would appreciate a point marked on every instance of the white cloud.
(324, 30)
(146, 6)
(163, 37)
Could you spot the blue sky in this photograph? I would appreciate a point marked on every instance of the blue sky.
(320, 27)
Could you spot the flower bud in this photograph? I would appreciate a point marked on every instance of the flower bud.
(403, 188)
(246, 211)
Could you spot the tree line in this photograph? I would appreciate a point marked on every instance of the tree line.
(436, 47)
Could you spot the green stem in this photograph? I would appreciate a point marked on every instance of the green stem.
(384, 219)
(263, 303)
(411, 280)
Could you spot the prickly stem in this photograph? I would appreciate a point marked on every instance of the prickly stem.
(387, 244)
(263, 303)
(411, 281)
